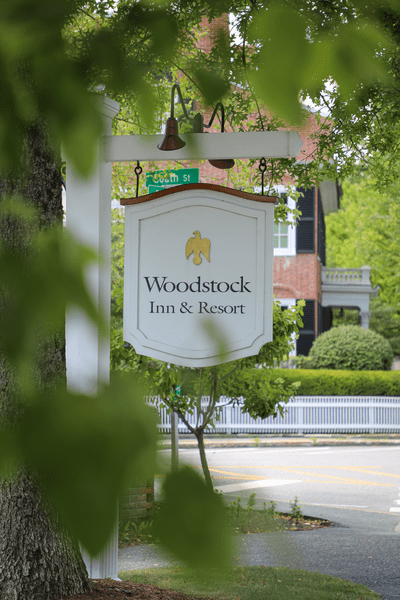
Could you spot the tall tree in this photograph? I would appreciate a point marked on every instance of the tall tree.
(45, 77)
(44, 80)
(37, 559)
(365, 231)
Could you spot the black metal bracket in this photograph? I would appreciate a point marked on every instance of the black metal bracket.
(138, 172)
(262, 168)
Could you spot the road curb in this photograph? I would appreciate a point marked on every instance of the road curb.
(296, 442)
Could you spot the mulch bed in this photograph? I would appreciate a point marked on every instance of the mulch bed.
(304, 524)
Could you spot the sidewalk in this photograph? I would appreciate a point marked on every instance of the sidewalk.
(269, 440)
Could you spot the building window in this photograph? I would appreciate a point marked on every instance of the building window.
(281, 235)
(284, 233)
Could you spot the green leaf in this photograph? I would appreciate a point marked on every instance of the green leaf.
(87, 451)
(350, 58)
(79, 129)
(284, 52)
(191, 523)
(211, 84)
(10, 451)
(51, 275)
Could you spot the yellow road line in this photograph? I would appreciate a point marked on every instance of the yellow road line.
(240, 475)
(333, 477)
(295, 466)
(329, 478)
(364, 469)
(352, 482)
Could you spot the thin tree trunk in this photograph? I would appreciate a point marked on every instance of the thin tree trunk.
(38, 561)
(199, 433)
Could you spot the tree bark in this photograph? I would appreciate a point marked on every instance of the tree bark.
(38, 560)
(199, 433)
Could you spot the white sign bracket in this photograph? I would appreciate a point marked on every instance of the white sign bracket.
(204, 146)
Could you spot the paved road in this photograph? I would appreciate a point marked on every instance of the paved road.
(355, 487)
(361, 478)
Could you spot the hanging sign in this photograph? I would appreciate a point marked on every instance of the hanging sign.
(198, 270)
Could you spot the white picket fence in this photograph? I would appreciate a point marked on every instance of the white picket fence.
(304, 414)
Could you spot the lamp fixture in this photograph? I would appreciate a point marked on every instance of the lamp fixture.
(172, 141)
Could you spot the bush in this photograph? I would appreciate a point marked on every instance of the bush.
(395, 344)
(353, 348)
(385, 319)
(323, 382)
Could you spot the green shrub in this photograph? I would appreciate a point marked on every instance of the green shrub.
(395, 344)
(324, 382)
(353, 348)
(385, 319)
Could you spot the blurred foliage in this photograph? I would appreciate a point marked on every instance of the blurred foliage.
(52, 52)
(385, 320)
(82, 449)
(328, 382)
(345, 317)
(365, 231)
(50, 274)
(86, 451)
(351, 348)
(192, 522)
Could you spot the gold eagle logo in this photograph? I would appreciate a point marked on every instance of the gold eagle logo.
(198, 246)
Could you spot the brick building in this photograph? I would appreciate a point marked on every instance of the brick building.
(299, 252)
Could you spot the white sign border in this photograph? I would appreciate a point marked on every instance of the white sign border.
(215, 197)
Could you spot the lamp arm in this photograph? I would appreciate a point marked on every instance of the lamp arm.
(220, 106)
(176, 88)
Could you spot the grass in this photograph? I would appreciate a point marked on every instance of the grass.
(242, 519)
(132, 533)
(245, 519)
(255, 583)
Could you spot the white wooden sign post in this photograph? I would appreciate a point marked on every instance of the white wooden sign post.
(88, 212)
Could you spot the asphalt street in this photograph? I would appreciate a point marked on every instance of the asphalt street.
(357, 488)
(357, 477)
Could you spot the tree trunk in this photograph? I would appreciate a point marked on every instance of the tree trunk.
(38, 561)
(199, 433)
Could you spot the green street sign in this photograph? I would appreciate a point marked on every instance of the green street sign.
(163, 178)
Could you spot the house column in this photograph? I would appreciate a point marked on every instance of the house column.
(365, 318)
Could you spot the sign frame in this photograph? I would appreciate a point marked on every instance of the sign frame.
(240, 308)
